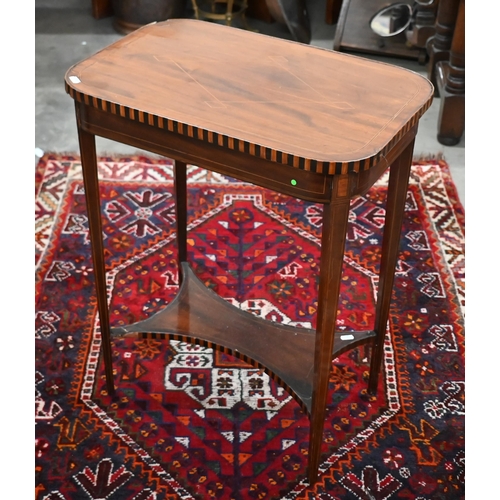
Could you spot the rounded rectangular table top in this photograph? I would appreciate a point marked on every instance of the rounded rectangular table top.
(307, 107)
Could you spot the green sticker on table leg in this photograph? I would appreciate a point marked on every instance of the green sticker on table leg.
(293, 182)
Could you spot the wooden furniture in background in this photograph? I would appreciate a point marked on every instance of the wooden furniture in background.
(256, 8)
(353, 33)
(310, 123)
(424, 23)
(130, 15)
(102, 8)
(221, 10)
(439, 45)
(447, 70)
(332, 11)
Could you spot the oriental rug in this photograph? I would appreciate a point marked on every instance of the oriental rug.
(192, 423)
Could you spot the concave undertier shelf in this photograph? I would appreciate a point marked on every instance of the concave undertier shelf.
(285, 353)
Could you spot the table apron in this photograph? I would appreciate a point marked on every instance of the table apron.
(308, 186)
(292, 181)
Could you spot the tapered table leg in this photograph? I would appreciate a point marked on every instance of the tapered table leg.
(395, 206)
(335, 220)
(180, 185)
(92, 198)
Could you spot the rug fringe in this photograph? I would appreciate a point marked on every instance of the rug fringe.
(138, 154)
(422, 158)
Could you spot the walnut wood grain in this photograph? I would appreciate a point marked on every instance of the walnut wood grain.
(230, 88)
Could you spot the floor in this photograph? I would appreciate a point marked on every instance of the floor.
(65, 35)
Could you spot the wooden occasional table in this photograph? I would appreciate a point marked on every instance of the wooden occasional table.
(307, 122)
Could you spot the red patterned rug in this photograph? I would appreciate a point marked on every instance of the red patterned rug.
(189, 422)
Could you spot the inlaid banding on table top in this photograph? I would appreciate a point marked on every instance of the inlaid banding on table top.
(227, 142)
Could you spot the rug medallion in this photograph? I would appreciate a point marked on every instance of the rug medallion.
(189, 422)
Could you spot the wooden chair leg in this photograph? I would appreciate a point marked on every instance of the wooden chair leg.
(92, 197)
(335, 220)
(450, 77)
(395, 206)
(180, 187)
(439, 45)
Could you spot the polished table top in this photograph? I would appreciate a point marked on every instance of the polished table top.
(310, 108)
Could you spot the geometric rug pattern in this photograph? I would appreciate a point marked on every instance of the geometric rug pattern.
(189, 422)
